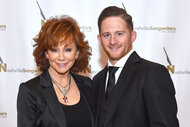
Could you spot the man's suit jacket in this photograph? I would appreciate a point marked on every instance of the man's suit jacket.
(144, 96)
(38, 105)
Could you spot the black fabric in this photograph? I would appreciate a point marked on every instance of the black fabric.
(38, 105)
(77, 115)
(143, 97)
(111, 80)
(102, 110)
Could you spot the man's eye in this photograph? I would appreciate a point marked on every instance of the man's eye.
(68, 49)
(119, 34)
(106, 35)
(54, 50)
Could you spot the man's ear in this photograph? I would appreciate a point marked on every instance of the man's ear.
(133, 36)
(99, 38)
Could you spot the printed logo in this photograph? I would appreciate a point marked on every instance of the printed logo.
(171, 68)
(3, 68)
(42, 14)
(3, 27)
(163, 29)
(123, 6)
(83, 28)
(86, 28)
(3, 114)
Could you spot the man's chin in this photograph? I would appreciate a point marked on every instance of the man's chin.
(114, 58)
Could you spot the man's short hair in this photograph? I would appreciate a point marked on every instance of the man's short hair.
(115, 11)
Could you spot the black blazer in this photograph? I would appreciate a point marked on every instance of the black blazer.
(144, 96)
(38, 105)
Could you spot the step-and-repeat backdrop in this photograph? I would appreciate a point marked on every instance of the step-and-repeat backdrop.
(162, 36)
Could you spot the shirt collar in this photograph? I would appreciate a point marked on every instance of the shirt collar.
(122, 61)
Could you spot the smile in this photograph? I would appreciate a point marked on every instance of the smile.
(62, 65)
(114, 47)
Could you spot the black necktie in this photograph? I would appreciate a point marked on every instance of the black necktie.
(111, 80)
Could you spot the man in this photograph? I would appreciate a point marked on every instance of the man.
(143, 94)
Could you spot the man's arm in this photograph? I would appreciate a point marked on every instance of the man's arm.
(159, 96)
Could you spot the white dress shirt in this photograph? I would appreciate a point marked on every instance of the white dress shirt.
(120, 63)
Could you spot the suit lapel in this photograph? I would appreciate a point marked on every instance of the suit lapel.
(52, 100)
(101, 90)
(122, 84)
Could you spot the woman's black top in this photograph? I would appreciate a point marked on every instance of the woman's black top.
(77, 115)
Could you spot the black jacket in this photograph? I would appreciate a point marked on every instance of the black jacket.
(144, 96)
(38, 105)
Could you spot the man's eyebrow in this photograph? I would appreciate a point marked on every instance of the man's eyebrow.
(104, 33)
(120, 31)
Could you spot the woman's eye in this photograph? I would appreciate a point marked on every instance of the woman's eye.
(68, 49)
(54, 50)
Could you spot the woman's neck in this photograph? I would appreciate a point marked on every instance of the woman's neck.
(61, 78)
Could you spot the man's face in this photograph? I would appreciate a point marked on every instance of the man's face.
(116, 38)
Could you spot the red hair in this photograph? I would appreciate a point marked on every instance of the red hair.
(51, 32)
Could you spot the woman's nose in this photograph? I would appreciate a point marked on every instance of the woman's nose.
(61, 56)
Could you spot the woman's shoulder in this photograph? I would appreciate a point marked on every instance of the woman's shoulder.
(81, 79)
(80, 76)
(32, 83)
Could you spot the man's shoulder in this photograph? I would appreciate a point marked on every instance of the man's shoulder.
(149, 63)
(100, 74)
(143, 61)
(150, 66)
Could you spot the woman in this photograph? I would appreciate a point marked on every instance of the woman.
(58, 97)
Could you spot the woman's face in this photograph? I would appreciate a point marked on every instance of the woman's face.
(62, 58)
